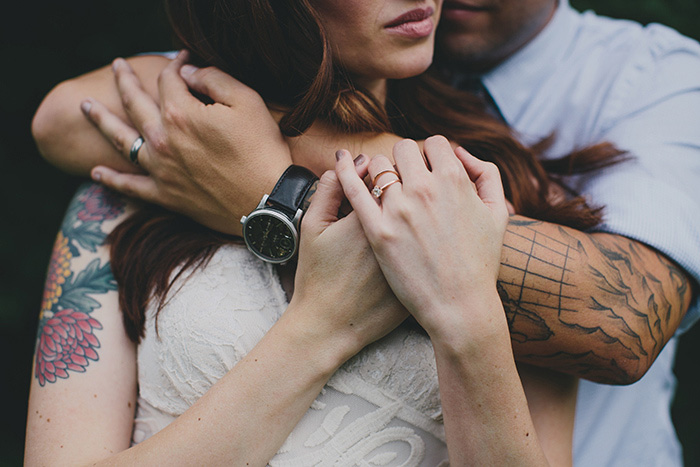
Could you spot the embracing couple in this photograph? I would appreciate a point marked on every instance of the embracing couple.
(480, 297)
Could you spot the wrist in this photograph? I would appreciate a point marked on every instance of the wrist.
(470, 325)
(271, 230)
(321, 345)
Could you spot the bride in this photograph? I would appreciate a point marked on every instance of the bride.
(222, 364)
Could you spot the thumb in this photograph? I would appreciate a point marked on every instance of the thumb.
(325, 204)
(216, 84)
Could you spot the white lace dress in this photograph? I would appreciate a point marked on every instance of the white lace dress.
(382, 408)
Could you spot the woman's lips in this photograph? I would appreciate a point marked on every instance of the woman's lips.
(413, 24)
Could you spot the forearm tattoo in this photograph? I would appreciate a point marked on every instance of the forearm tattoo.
(307, 199)
(598, 307)
(66, 339)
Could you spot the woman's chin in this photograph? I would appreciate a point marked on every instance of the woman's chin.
(409, 69)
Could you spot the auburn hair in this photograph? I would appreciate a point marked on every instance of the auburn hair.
(280, 49)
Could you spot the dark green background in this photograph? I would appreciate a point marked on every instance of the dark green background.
(45, 42)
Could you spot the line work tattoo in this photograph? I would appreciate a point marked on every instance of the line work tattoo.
(66, 339)
(600, 307)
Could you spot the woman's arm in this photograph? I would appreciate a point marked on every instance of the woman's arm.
(85, 414)
(83, 393)
(423, 232)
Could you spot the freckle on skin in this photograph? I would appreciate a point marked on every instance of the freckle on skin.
(48, 420)
(95, 396)
(128, 404)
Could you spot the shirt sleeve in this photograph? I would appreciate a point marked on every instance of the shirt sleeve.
(653, 113)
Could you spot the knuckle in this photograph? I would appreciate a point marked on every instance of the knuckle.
(492, 169)
(454, 172)
(384, 235)
(420, 186)
(405, 213)
(437, 139)
(328, 177)
(378, 163)
(128, 101)
(352, 191)
(405, 144)
(95, 114)
(206, 73)
(162, 76)
(121, 142)
(173, 115)
(248, 97)
(124, 187)
(151, 130)
(159, 143)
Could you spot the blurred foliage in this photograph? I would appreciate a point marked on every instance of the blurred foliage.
(682, 15)
(44, 42)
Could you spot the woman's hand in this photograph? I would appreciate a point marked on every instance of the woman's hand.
(338, 274)
(211, 162)
(436, 235)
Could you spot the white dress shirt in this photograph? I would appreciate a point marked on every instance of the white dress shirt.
(588, 79)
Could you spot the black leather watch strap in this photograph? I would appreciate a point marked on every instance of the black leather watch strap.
(291, 189)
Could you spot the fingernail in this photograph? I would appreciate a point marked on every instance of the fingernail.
(96, 175)
(85, 106)
(339, 154)
(359, 159)
(117, 63)
(187, 70)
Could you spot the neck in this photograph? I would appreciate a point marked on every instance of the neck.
(482, 63)
(376, 87)
(538, 25)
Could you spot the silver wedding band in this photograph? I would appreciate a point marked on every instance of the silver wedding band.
(134, 151)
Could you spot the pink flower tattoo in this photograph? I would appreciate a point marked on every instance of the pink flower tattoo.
(66, 342)
(99, 204)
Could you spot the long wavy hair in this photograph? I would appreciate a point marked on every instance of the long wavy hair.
(280, 49)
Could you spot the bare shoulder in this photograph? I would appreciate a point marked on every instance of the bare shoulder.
(83, 392)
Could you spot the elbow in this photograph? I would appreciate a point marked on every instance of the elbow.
(54, 119)
(616, 373)
(630, 371)
(45, 122)
(617, 367)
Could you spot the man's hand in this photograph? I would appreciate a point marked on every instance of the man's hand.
(192, 149)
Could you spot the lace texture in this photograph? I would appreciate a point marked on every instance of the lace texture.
(382, 408)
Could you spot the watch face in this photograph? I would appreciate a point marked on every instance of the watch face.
(270, 236)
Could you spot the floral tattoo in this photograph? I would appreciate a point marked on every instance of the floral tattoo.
(66, 339)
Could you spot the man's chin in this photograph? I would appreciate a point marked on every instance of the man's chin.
(465, 50)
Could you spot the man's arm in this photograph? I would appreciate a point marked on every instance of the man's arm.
(599, 306)
(66, 138)
(554, 280)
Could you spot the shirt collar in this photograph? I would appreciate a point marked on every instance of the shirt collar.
(511, 83)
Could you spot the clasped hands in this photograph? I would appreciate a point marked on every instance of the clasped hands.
(436, 235)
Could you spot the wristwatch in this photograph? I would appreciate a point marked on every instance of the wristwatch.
(271, 231)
